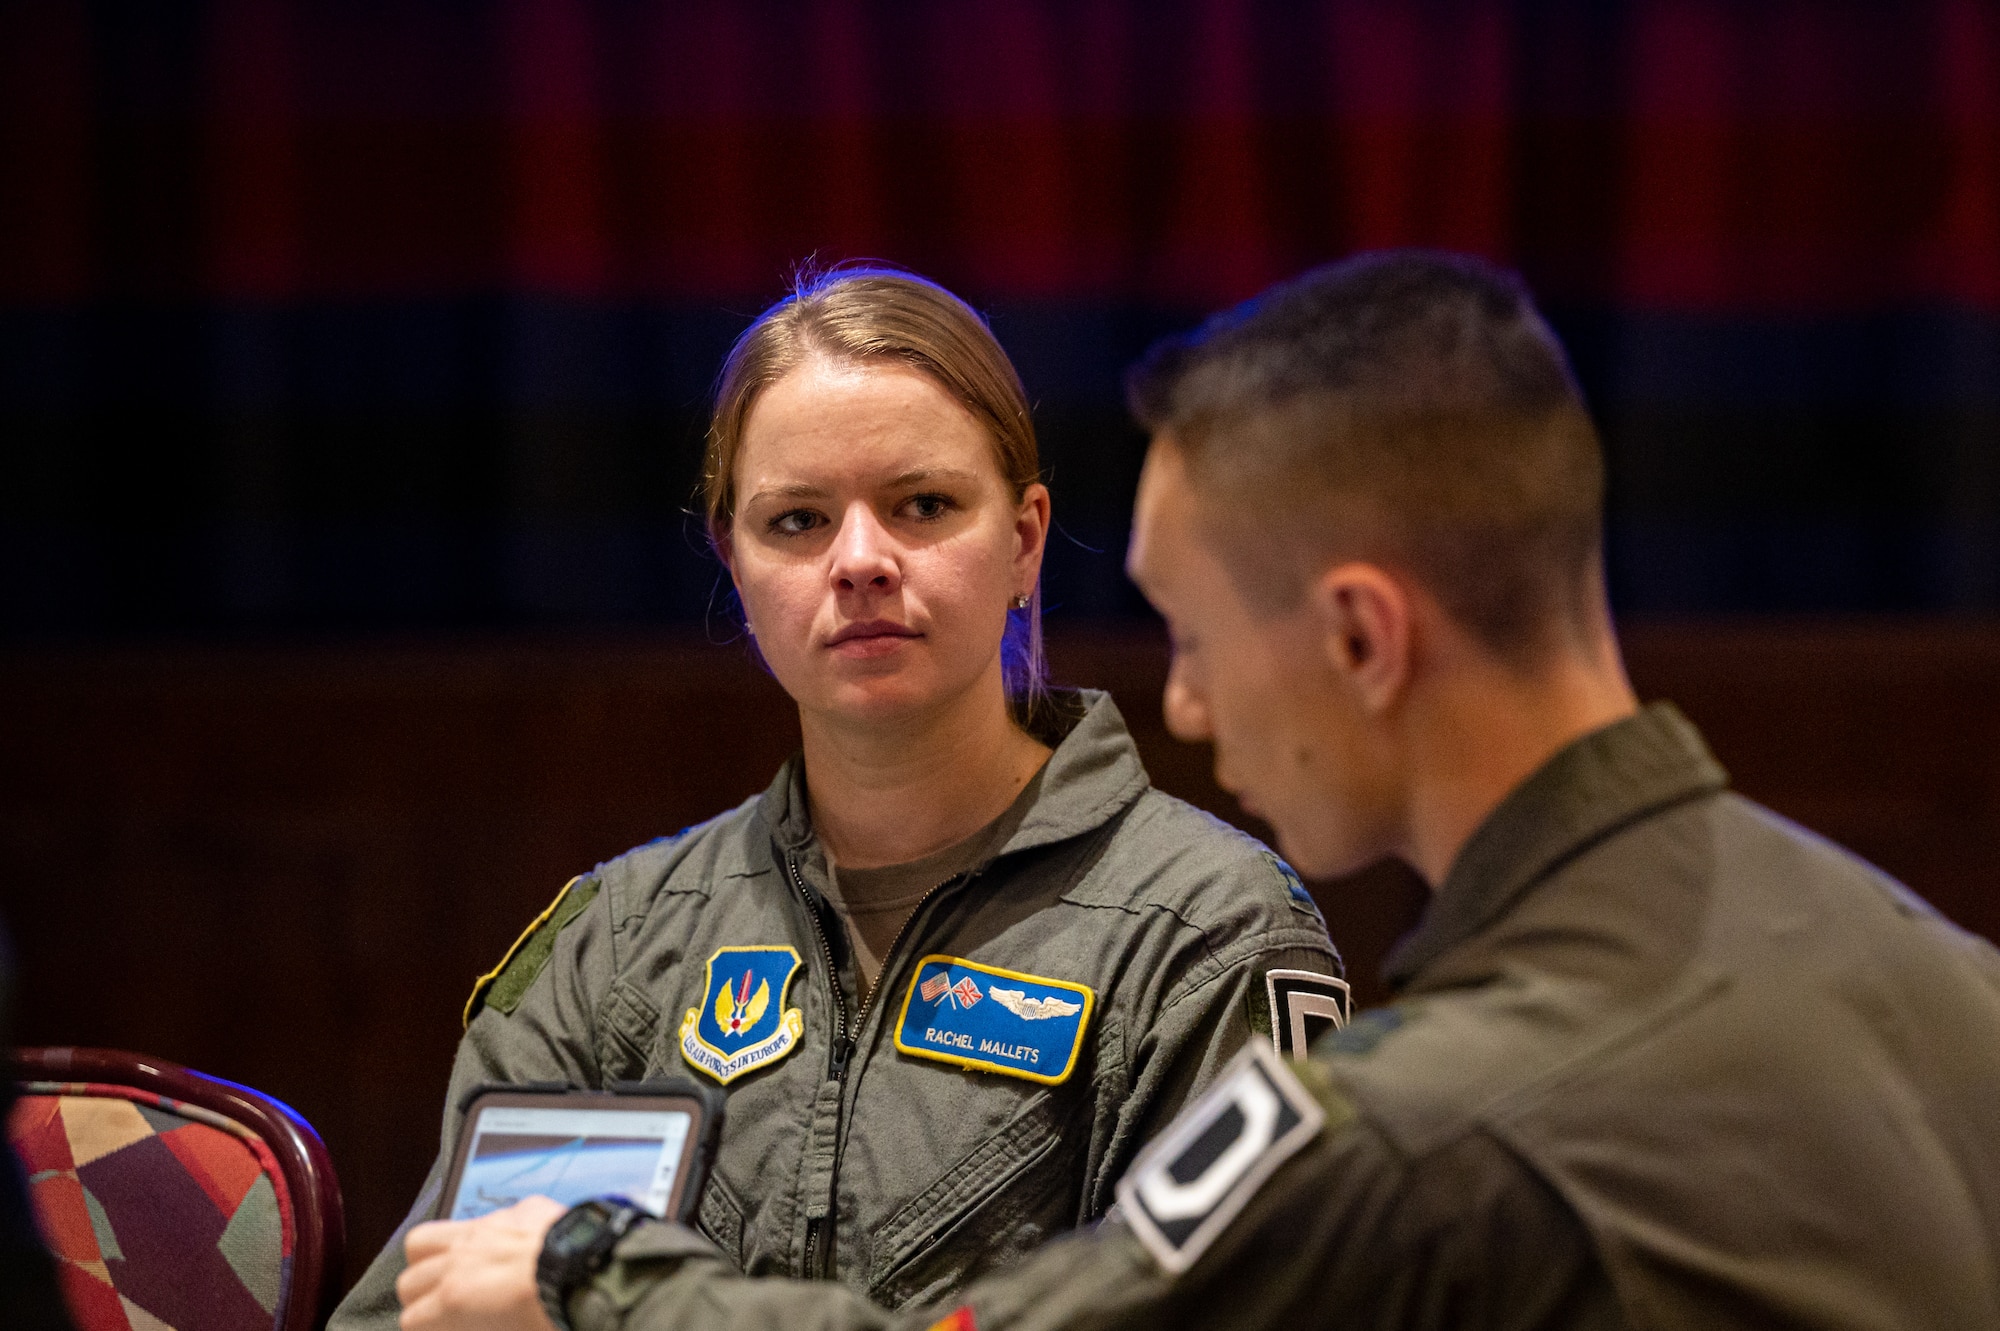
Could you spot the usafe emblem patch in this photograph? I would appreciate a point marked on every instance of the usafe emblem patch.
(975, 1016)
(742, 1022)
(1187, 1186)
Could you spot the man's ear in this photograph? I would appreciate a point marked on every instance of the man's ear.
(1365, 627)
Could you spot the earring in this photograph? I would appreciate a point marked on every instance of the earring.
(1021, 602)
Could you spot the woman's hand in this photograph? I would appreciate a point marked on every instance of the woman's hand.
(477, 1275)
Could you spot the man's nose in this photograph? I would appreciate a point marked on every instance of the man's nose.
(1185, 709)
(864, 554)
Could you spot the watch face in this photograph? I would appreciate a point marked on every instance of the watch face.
(578, 1231)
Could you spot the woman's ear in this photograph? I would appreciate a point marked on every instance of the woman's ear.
(1031, 532)
(1365, 628)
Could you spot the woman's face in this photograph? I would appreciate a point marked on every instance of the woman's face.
(875, 544)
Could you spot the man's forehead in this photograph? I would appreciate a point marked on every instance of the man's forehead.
(1167, 535)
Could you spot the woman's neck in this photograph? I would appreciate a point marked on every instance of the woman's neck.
(891, 794)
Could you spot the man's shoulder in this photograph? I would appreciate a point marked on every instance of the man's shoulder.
(1421, 1070)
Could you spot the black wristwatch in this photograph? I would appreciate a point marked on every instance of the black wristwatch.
(577, 1247)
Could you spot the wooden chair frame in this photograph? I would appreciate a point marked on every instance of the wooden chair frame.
(319, 1238)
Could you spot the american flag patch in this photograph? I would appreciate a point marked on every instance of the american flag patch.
(933, 988)
(966, 992)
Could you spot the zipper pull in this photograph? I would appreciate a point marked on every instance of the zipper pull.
(843, 1048)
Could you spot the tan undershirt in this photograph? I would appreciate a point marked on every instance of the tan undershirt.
(874, 903)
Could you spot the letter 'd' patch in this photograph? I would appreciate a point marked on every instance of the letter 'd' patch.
(1303, 1004)
(1186, 1187)
(975, 1016)
(742, 1021)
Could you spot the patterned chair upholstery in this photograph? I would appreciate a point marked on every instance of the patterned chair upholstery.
(175, 1201)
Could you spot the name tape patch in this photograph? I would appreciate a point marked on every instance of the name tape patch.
(1186, 1187)
(975, 1016)
(1303, 1005)
(742, 1022)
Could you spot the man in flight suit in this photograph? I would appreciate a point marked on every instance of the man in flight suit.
(1658, 1058)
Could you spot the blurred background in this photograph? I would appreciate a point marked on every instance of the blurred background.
(354, 358)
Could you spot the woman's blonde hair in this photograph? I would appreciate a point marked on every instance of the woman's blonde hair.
(861, 312)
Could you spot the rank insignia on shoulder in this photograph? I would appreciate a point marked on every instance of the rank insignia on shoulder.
(742, 1021)
(993, 1020)
(1303, 1004)
(1186, 1187)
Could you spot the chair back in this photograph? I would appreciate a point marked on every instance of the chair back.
(176, 1200)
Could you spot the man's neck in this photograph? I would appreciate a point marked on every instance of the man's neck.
(886, 794)
(1486, 729)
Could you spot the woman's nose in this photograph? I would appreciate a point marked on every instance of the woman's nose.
(864, 556)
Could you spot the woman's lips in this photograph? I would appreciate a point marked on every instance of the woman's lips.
(875, 637)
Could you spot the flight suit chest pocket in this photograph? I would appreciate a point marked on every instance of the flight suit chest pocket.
(1002, 1198)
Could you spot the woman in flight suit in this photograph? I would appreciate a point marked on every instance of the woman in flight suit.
(960, 959)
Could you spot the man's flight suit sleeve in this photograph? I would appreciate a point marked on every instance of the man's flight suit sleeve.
(1348, 1233)
(548, 1036)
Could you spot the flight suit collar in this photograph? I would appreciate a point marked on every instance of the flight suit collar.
(1589, 789)
(1094, 772)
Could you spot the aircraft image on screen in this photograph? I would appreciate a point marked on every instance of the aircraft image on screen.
(506, 1167)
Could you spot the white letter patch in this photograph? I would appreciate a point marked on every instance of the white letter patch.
(1303, 1004)
(1186, 1187)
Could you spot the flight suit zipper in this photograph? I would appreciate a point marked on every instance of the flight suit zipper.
(819, 1248)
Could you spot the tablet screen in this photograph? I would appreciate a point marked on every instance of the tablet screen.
(570, 1154)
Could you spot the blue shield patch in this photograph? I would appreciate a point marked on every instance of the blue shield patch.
(742, 1021)
(975, 1016)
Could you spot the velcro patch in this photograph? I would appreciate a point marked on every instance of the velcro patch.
(503, 987)
(1186, 1187)
(975, 1016)
(1304, 1004)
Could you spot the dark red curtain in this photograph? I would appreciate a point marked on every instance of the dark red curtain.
(345, 313)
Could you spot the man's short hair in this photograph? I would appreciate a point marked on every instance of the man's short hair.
(1407, 407)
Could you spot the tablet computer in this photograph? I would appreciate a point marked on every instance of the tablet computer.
(649, 1142)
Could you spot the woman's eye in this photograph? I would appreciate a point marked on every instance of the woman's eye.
(928, 506)
(796, 522)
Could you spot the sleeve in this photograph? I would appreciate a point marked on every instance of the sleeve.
(533, 1019)
(1346, 1232)
(1217, 1000)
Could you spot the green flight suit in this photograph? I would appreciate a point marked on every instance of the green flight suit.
(1659, 1059)
(846, 1157)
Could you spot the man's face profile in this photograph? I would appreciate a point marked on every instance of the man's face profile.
(1258, 686)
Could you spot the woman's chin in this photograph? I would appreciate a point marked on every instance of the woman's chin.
(884, 698)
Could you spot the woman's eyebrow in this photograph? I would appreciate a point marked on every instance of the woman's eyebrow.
(915, 476)
(922, 475)
(795, 490)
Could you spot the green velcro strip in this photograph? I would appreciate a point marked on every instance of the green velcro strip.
(503, 987)
(1257, 1004)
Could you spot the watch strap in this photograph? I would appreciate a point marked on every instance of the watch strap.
(577, 1247)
